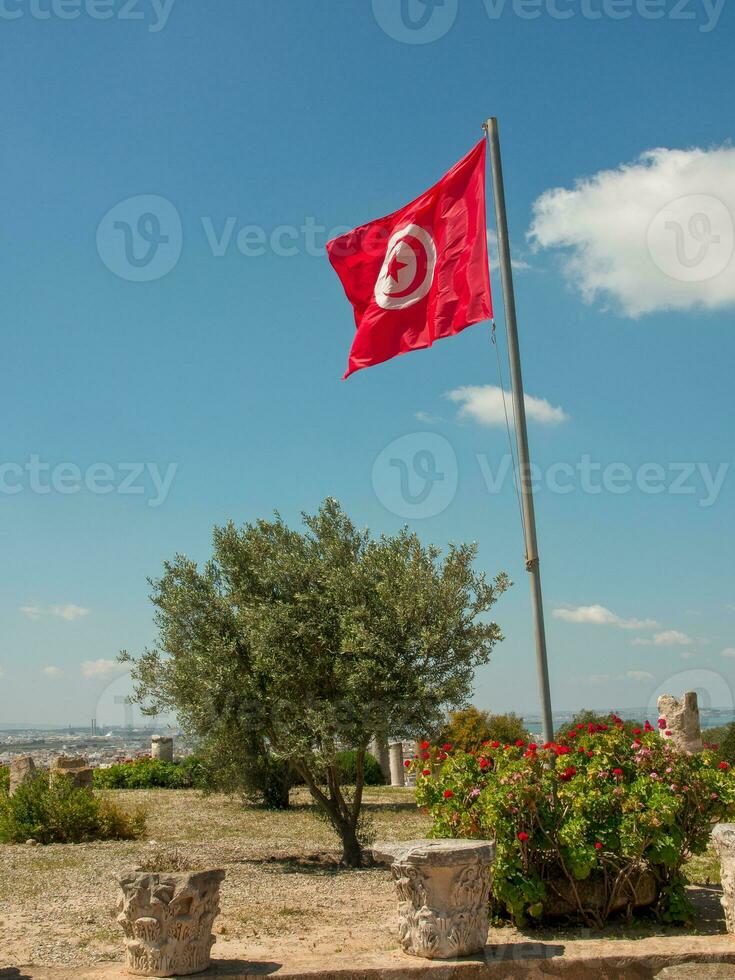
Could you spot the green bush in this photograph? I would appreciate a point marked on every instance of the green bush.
(4, 779)
(50, 810)
(599, 806)
(147, 773)
(347, 763)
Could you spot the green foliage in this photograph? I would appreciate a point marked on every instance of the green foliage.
(4, 779)
(723, 738)
(347, 763)
(468, 728)
(281, 634)
(50, 810)
(147, 773)
(598, 805)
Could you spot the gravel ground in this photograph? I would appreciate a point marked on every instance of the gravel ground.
(283, 886)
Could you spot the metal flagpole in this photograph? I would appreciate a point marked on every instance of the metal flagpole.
(519, 412)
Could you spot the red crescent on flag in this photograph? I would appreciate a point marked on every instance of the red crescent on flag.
(422, 264)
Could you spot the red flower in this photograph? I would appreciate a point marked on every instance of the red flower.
(426, 745)
(571, 734)
(448, 794)
(667, 732)
(590, 754)
(636, 731)
(724, 765)
(598, 846)
(567, 774)
(549, 745)
(520, 743)
(496, 745)
(591, 728)
(662, 723)
(425, 755)
(447, 747)
(407, 763)
(617, 772)
(484, 763)
(562, 750)
(426, 772)
(532, 746)
(522, 835)
(580, 727)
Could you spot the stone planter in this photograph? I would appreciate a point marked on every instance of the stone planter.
(443, 889)
(167, 920)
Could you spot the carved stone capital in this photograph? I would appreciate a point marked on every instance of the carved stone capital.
(443, 889)
(167, 920)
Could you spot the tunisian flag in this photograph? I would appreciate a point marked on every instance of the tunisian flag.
(420, 273)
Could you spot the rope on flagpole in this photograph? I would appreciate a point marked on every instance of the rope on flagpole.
(511, 446)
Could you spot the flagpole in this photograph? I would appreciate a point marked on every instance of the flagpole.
(519, 412)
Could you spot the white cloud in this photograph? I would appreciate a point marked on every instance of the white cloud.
(600, 616)
(100, 668)
(426, 417)
(656, 234)
(52, 671)
(492, 253)
(68, 611)
(484, 404)
(687, 655)
(629, 675)
(729, 653)
(667, 638)
(32, 612)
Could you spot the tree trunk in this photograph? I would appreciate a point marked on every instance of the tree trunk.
(351, 850)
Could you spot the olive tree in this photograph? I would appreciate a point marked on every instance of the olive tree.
(315, 640)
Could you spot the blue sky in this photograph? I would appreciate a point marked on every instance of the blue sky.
(214, 387)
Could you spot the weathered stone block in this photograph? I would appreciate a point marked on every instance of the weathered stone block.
(443, 891)
(22, 769)
(682, 721)
(379, 751)
(723, 839)
(167, 920)
(74, 769)
(162, 747)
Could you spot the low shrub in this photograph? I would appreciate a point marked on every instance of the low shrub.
(4, 779)
(347, 762)
(582, 822)
(50, 810)
(147, 773)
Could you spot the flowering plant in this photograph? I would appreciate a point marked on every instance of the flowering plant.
(598, 822)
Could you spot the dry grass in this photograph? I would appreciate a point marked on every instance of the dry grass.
(57, 903)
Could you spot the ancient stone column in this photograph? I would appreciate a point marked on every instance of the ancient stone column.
(395, 750)
(73, 769)
(682, 721)
(443, 889)
(379, 751)
(723, 839)
(167, 920)
(22, 769)
(162, 747)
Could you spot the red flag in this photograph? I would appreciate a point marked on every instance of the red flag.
(420, 273)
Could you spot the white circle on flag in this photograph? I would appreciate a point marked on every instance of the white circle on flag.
(408, 268)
